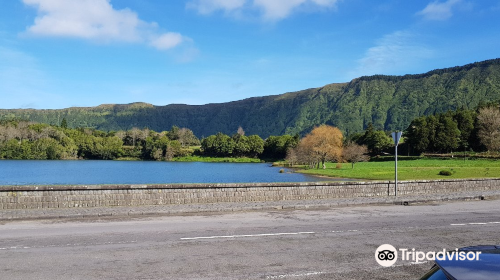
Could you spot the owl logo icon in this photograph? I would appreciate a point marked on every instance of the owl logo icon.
(386, 255)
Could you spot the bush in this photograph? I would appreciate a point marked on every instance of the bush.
(445, 173)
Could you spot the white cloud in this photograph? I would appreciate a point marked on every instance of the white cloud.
(210, 6)
(96, 20)
(439, 10)
(271, 10)
(279, 9)
(167, 41)
(394, 53)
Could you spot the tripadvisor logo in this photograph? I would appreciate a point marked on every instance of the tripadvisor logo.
(386, 255)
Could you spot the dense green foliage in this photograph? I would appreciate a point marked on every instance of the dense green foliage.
(437, 133)
(388, 102)
(447, 132)
(276, 147)
(377, 141)
(25, 140)
(221, 145)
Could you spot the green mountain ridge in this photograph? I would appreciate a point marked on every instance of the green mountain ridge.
(389, 102)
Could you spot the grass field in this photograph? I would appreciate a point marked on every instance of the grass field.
(421, 169)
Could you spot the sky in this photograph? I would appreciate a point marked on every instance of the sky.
(65, 53)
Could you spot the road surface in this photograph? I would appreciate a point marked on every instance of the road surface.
(335, 243)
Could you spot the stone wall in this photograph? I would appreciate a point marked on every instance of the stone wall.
(38, 197)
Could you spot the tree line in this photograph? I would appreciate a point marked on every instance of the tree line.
(28, 140)
(460, 130)
(466, 130)
(240, 145)
(477, 130)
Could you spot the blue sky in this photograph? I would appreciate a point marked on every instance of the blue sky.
(64, 53)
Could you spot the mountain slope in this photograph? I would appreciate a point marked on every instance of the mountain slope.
(389, 102)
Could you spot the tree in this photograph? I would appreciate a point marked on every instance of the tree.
(368, 132)
(240, 131)
(134, 133)
(106, 147)
(376, 140)
(173, 134)
(219, 145)
(46, 148)
(465, 123)
(324, 143)
(169, 153)
(157, 154)
(489, 128)
(256, 145)
(64, 123)
(276, 146)
(353, 153)
(447, 134)
(186, 137)
(11, 149)
(121, 134)
(23, 128)
(432, 127)
(144, 134)
(241, 145)
(291, 156)
(417, 135)
(305, 155)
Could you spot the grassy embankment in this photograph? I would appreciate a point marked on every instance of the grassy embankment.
(216, 159)
(203, 159)
(421, 169)
(194, 151)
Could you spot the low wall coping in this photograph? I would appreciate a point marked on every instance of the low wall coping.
(11, 188)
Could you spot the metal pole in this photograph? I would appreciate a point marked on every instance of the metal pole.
(396, 171)
(396, 136)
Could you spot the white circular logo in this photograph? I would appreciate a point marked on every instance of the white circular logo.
(386, 255)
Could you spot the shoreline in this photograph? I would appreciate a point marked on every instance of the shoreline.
(183, 159)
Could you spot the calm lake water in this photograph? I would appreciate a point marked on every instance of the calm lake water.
(79, 172)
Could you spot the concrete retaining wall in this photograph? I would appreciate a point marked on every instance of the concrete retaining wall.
(33, 197)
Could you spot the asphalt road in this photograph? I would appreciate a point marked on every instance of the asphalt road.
(336, 243)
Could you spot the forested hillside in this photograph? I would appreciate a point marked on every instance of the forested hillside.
(389, 102)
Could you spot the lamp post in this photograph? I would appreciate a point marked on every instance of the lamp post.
(396, 136)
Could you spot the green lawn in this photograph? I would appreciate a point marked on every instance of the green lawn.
(421, 169)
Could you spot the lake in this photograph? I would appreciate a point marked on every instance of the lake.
(83, 172)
